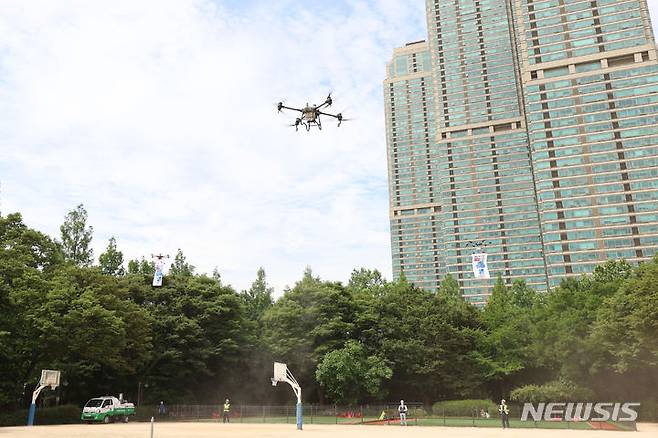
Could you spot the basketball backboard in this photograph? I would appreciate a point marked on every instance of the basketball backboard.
(280, 372)
(50, 378)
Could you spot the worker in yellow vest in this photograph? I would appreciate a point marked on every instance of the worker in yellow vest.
(227, 410)
(504, 413)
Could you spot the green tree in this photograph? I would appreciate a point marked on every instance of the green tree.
(612, 271)
(308, 321)
(349, 374)
(366, 280)
(199, 336)
(562, 323)
(449, 287)
(428, 341)
(506, 350)
(96, 335)
(111, 261)
(180, 267)
(76, 237)
(141, 267)
(27, 258)
(625, 333)
(259, 297)
(216, 275)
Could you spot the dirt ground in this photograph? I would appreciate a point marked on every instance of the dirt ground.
(216, 430)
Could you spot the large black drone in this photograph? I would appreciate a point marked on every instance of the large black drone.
(311, 114)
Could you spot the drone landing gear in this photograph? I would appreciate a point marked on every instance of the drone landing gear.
(308, 127)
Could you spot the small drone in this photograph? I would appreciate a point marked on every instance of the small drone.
(311, 114)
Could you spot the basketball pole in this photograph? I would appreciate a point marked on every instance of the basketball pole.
(290, 380)
(299, 407)
(33, 405)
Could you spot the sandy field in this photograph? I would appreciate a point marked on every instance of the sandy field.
(215, 430)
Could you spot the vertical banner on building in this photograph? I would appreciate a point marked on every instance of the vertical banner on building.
(159, 271)
(480, 267)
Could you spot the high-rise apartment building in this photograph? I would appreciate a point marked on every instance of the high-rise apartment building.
(542, 142)
(411, 131)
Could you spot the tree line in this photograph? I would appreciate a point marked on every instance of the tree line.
(198, 340)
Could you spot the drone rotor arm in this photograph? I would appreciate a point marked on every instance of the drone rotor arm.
(290, 108)
(328, 114)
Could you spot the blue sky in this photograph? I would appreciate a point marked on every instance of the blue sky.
(159, 116)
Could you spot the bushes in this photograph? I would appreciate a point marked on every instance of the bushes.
(145, 412)
(65, 414)
(463, 408)
(648, 411)
(557, 391)
(418, 413)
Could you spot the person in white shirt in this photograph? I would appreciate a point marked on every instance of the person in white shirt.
(402, 410)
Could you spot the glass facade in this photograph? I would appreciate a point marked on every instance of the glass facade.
(411, 137)
(591, 79)
(531, 125)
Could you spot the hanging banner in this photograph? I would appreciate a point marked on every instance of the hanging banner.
(159, 271)
(480, 267)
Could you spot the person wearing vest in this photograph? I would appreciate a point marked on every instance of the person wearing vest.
(504, 413)
(227, 411)
(402, 410)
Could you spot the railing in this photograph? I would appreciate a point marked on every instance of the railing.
(363, 414)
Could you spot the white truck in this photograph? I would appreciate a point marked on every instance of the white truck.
(107, 409)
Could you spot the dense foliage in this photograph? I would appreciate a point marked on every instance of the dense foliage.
(197, 340)
(557, 390)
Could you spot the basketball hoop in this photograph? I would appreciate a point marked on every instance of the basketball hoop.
(48, 378)
(283, 374)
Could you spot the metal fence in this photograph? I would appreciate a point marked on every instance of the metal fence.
(417, 415)
(313, 414)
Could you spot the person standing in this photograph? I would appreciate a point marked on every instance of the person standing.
(162, 409)
(504, 413)
(402, 410)
(227, 411)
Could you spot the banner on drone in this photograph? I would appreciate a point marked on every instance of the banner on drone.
(480, 266)
(159, 271)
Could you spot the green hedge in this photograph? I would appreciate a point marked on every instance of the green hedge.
(418, 412)
(648, 411)
(463, 408)
(559, 390)
(65, 414)
(145, 412)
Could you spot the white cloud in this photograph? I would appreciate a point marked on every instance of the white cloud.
(158, 115)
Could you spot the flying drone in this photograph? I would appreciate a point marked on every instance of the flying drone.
(310, 114)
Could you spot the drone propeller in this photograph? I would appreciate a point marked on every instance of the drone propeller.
(279, 106)
(329, 100)
(342, 119)
(298, 122)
